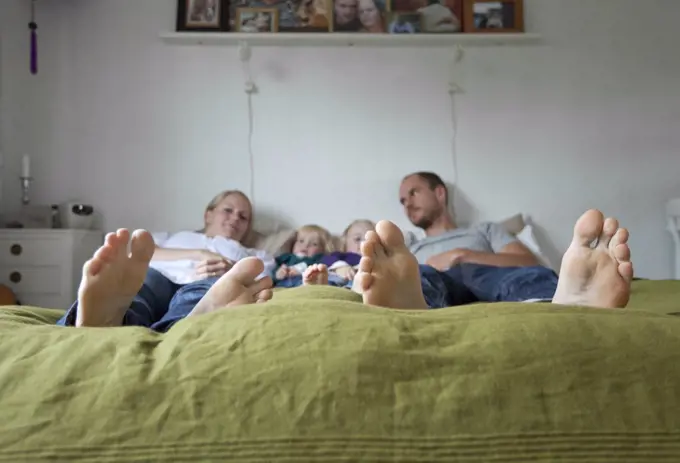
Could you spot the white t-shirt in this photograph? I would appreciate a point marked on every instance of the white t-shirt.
(183, 271)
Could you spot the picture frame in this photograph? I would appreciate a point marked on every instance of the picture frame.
(257, 20)
(486, 16)
(308, 16)
(400, 22)
(202, 15)
(438, 16)
(360, 16)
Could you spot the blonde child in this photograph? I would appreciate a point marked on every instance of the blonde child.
(343, 264)
(311, 243)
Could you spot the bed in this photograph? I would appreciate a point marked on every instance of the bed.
(314, 375)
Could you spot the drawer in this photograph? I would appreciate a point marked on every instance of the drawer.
(43, 251)
(34, 280)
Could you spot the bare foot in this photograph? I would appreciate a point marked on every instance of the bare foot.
(596, 275)
(388, 273)
(112, 278)
(316, 274)
(237, 287)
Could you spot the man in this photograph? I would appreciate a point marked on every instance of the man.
(345, 16)
(481, 263)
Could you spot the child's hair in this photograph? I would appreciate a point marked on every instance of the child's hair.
(324, 235)
(370, 223)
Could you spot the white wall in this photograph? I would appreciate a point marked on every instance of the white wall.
(13, 90)
(149, 132)
(34, 109)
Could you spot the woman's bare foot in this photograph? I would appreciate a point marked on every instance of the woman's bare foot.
(596, 275)
(388, 273)
(112, 278)
(237, 287)
(315, 274)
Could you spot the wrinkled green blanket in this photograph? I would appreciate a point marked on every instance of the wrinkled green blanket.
(316, 376)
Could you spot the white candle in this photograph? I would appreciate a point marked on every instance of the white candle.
(26, 166)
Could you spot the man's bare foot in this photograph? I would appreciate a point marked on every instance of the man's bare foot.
(315, 274)
(112, 278)
(596, 275)
(237, 287)
(388, 273)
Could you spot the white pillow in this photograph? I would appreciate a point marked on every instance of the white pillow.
(528, 239)
(160, 237)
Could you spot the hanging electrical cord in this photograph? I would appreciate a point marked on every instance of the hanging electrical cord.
(250, 88)
(454, 89)
(33, 27)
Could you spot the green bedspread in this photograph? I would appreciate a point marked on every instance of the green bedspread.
(316, 376)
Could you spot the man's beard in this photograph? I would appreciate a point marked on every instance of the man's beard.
(424, 222)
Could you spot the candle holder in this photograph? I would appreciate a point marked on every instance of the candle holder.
(25, 189)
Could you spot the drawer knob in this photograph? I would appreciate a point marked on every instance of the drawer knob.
(16, 249)
(15, 277)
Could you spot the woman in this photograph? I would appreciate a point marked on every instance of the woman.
(370, 17)
(187, 264)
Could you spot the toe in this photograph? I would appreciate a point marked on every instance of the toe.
(366, 264)
(122, 239)
(588, 228)
(608, 231)
(390, 235)
(370, 244)
(622, 253)
(620, 237)
(626, 271)
(246, 270)
(142, 246)
(362, 282)
(261, 285)
(264, 295)
(106, 253)
(92, 267)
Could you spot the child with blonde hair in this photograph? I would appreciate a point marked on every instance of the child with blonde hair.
(310, 245)
(341, 266)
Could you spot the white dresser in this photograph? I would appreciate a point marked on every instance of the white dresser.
(43, 266)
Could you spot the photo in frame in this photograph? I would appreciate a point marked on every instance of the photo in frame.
(404, 23)
(364, 16)
(486, 16)
(257, 20)
(293, 15)
(438, 16)
(202, 15)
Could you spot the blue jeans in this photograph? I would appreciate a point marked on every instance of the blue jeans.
(468, 283)
(159, 304)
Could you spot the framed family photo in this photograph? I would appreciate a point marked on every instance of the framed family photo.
(203, 15)
(404, 23)
(367, 16)
(308, 16)
(291, 15)
(494, 16)
(438, 16)
(257, 20)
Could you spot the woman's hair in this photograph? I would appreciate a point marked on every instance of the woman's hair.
(220, 197)
(370, 223)
(324, 234)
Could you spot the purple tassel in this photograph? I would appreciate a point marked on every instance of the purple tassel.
(34, 50)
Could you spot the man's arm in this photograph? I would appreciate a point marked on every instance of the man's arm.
(179, 254)
(513, 254)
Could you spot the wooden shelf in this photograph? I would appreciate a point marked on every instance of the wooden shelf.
(339, 39)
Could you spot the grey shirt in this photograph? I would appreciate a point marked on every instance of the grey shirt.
(485, 237)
